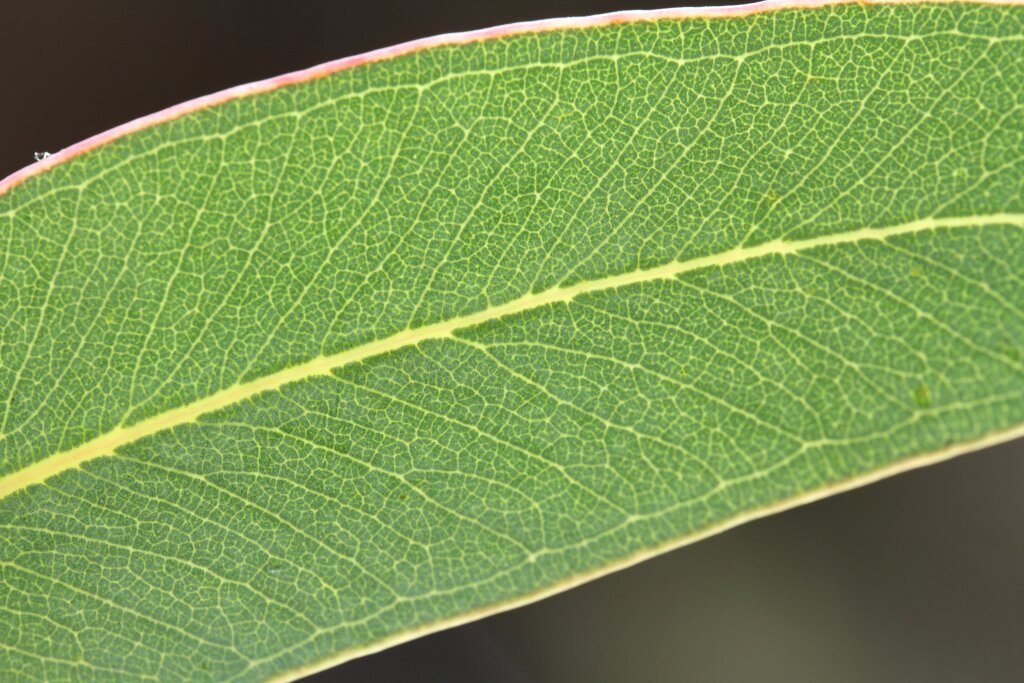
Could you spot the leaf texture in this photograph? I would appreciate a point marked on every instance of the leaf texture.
(305, 372)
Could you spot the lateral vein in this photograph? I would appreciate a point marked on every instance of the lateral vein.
(107, 444)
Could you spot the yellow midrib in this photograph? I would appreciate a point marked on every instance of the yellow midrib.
(107, 443)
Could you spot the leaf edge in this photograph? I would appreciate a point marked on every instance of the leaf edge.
(441, 40)
(805, 498)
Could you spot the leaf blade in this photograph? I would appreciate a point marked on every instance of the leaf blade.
(494, 442)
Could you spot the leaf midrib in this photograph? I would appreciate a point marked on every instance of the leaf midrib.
(108, 443)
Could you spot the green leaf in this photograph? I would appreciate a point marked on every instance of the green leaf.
(302, 370)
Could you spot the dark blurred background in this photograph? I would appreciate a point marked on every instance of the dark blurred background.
(917, 578)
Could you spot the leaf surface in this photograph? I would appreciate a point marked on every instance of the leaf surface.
(307, 370)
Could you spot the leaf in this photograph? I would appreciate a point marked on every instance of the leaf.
(311, 367)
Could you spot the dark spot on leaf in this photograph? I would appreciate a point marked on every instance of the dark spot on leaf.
(1010, 351)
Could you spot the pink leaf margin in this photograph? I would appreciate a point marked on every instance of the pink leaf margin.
(461, 38)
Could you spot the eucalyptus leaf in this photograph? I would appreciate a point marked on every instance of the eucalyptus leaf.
(314, 366)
